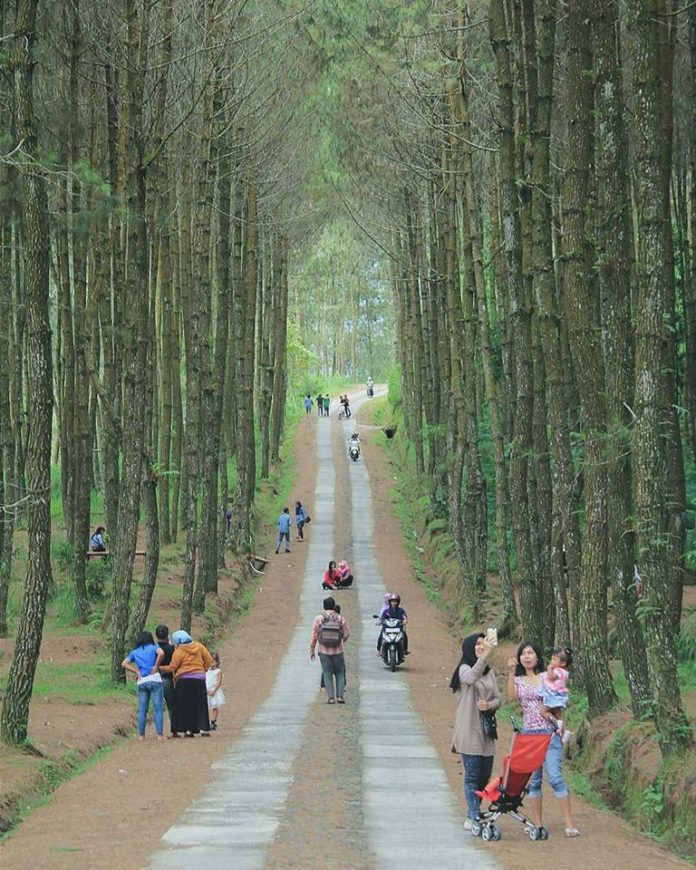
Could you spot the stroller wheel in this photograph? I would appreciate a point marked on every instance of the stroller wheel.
(487, 834)
(534, 834)
(476, 829)
(496, 833)
(543, 834)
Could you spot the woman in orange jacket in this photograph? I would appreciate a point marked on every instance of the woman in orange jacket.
(189, 663)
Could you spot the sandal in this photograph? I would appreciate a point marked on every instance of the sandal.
(340, 701)
(572, 832)
(331, 701)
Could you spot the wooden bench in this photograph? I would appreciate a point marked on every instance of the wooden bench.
(95, 554)
(257, 564)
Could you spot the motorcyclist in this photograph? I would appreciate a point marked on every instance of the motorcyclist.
(370, 386)
(354, 440)
(393, 610)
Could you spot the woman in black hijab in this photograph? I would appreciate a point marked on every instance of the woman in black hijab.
(474, 683)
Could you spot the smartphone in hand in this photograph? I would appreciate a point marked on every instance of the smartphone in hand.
(492, 636)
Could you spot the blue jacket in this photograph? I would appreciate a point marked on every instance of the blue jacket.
(284, 522)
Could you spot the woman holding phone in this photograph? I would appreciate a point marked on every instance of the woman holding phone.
(474, 683)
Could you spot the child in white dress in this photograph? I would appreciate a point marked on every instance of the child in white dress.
(213, 684)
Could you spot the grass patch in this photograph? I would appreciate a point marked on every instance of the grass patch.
(83, 682)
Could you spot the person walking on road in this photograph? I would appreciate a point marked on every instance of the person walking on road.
(284, 523)
(320, 405)
(300, 519)
(476, 688)
(308, 403)
(329, 633)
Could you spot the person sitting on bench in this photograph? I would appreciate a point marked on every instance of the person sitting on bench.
(96, 542)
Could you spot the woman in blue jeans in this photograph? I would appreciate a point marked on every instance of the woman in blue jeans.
(474, 683)
(525, 672)
(144, 660)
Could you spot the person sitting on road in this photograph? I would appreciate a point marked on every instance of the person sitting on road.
(394, 610)
(345, 578)
(331, 577)
(96, 542)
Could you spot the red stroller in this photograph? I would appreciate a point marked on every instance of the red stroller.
(505, 793)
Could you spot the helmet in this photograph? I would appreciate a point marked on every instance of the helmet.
(387, 597)
(395, 597)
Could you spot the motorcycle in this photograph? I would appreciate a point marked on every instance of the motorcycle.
(370, 392)
(354, 452)
(392, 649)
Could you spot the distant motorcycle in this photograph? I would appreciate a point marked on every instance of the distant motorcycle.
(392, 649)
(370, 392)
(354, 452)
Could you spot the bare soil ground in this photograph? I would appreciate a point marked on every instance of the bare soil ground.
(115, 813)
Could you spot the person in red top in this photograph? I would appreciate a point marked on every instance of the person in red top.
(332, 660)
(331, 577)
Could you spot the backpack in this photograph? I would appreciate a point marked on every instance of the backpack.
(331, 632)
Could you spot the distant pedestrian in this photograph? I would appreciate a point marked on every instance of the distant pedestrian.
(300, 519)
(143, 660)
(284, 523)
(320, 405)
(327, 404)
(213, 685)
(329, 633)
(308, 404)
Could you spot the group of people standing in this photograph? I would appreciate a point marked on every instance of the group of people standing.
(536, 688)
(284, 524)
(323, 405)
(180, 673)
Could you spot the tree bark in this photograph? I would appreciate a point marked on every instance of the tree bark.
(651, 452)
(20, 681)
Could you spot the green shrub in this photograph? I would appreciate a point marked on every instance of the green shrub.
(97, 575)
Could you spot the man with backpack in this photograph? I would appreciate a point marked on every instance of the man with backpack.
(329, 633)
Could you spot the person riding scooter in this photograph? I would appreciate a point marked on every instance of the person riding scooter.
(393, 611)
(353, 444)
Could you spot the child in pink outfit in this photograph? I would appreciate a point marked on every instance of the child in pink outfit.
(554, 688)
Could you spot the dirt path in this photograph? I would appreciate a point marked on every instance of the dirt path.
(115, 813)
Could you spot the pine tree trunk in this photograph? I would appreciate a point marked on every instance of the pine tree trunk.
(582, 312)
(20, 681)
(651, 453)
(520, 307)
(135, 319)
(613, 256)
(280, 352)
(246, 447)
